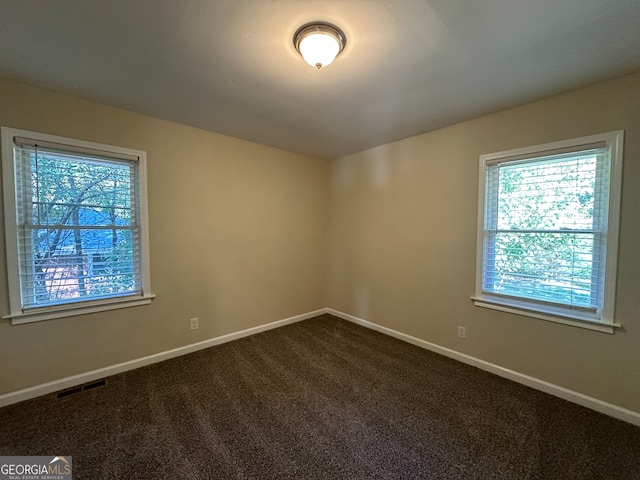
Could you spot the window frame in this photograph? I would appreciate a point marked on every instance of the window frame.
(17, 314)
(604, 321)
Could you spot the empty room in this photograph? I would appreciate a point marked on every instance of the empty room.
(304, 239)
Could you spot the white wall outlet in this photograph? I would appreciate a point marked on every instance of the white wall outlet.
(194, 323)
(462, 332)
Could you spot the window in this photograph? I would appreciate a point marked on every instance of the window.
(548, 230)
(75, 224)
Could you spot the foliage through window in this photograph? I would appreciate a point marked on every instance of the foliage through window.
(548, 226)
(79, 218)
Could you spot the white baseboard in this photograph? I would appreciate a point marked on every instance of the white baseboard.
(67, 382)
(593, 403)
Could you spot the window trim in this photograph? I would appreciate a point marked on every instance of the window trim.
(17, 315)
(605, 323)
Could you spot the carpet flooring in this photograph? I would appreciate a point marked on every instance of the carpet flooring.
(320, 399)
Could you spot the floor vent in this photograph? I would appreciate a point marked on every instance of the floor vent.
(81, 388)
(92, 385)
(68, 392)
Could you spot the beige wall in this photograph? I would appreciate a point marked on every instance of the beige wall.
(237, 238)
(403, 243)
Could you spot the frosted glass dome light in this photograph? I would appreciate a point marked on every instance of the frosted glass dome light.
(319, 43)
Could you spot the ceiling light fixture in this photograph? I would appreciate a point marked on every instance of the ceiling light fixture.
(319, 43)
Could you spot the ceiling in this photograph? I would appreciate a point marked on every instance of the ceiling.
(409, 66)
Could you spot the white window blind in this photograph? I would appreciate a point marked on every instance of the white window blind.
(546, 230)
(78, 225)
(78, 230)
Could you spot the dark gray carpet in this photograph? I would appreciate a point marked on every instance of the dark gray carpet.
(321, 398)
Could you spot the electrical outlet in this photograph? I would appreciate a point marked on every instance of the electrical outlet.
(462, 332)
(194, 323)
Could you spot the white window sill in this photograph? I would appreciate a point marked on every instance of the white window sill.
(62, 311)
(574, 320)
